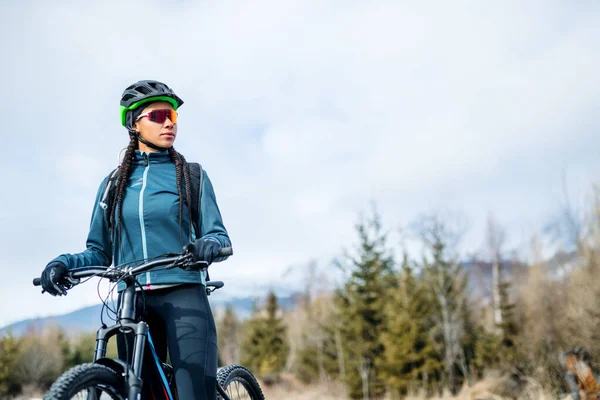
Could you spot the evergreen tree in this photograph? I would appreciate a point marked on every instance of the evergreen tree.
(361, 303)
(63, 343)
(319, 355)
(509, 328)
(9, 352)
(252, 344)
(409, 357)
(487, 351)
(265, 347)
(81, 351)
(227, 333)
(497, 348)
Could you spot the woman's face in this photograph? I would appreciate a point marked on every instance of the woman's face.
(162, 135)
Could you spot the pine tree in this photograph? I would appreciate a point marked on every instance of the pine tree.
(496, 346)
(9, 352)
(409, 356)
(509, 328)
(252, 348)
(318, 357)
(361, 303)
(488, 351)
(265, 347)
(81, 350)
(227, 333)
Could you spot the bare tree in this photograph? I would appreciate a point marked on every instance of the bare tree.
(495, 238)
(447, 283)
(40, 360)
(568, 227)
(340, 353)
(364, 368)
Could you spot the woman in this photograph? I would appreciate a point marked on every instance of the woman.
(149, 216)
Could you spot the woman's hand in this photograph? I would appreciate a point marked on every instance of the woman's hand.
(51, 278)
(203, 250)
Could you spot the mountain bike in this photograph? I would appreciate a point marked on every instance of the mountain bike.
(107, 378)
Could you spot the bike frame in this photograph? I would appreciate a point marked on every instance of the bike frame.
(126, 323)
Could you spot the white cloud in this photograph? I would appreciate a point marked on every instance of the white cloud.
(302, 112)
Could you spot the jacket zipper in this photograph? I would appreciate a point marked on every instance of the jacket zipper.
(141, 214)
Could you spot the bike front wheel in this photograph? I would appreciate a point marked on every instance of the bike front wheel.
(89, 382)
(239, 383)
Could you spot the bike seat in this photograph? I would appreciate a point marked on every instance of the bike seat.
(215, 284)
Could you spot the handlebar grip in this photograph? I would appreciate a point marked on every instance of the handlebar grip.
(37, 281)
(226, 252)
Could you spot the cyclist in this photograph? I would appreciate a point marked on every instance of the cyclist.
(150, 216)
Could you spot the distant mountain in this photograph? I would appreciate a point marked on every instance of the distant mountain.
(80, 320)
(479, 275)
(87, 319)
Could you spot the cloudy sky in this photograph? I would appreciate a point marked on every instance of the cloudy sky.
(302, 113)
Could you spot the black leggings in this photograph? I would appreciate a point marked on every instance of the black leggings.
(180, 318)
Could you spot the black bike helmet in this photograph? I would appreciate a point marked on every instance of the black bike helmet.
(143, 92)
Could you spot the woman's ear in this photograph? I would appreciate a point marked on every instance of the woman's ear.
(136, 126)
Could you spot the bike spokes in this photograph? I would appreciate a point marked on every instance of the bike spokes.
(97, 393)
(236, 391)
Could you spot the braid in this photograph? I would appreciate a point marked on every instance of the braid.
(176, 157)
(124, 171)
(188, 193)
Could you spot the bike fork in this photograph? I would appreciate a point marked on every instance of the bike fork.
(141, 332)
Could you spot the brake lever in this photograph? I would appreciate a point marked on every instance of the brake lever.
(67, 286)
(182, 262)
(73, 281)
(197, 266)
(68, 283)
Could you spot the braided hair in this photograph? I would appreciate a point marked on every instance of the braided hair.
(182, 170)
(116, 209)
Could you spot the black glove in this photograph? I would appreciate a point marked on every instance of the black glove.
(203, 250)
(51, 278)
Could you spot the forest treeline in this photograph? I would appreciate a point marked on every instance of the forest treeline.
(399, 323)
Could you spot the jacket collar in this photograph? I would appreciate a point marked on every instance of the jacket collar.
(158, 157)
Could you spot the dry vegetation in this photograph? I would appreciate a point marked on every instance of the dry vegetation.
(490, 388)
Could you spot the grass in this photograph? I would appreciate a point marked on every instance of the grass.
(487, 389)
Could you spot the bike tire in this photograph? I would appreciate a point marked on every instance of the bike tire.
(87, 376)
(235, 376)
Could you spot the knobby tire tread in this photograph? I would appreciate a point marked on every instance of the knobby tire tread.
(80, 377)
(226, 375)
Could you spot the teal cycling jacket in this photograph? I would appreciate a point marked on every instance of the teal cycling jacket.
(150, 224)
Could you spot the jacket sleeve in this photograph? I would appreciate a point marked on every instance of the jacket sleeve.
(211, 222)
(99, 244)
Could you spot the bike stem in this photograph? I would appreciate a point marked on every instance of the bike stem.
(127, 311)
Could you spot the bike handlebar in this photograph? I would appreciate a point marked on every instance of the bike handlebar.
(104, 272)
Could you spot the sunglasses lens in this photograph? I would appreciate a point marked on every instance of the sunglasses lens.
(160, 116)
